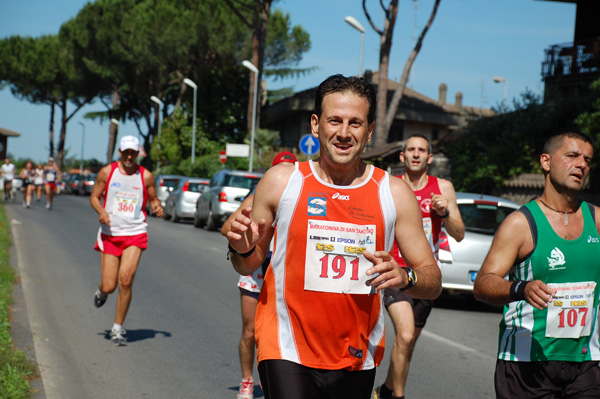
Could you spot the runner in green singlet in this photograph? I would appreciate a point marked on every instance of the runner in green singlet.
(549, 249)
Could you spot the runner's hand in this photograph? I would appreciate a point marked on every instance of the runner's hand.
(244, 233)
(386, 271)
(538, 294)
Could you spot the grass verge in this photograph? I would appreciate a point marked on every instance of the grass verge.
(15, 369)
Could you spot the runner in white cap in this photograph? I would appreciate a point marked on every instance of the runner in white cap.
(119, 196)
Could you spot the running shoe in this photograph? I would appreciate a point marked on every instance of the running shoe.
(246, 389)
(117, 337)
(377, 394)
(99, 298)
(48, 205)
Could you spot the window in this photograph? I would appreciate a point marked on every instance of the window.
(483, 218)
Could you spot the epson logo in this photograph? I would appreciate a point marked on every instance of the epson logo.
(340, 196)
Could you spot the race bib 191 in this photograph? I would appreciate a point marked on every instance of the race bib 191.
(571, 311)
(334, 260)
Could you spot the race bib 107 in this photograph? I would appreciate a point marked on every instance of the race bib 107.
(571, 311)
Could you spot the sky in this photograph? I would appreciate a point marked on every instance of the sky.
(469, 43)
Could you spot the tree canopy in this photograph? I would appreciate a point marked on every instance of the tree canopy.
(494, 149)
(122, 52)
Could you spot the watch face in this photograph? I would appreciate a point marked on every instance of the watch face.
(412, 280)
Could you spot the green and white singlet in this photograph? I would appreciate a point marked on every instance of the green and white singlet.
(567, 330)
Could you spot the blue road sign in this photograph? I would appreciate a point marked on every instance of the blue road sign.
(309, 145)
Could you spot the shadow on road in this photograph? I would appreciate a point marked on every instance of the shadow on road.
(464, 302)
(139, 335)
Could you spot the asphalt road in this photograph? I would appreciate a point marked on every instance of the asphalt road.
(184, 323)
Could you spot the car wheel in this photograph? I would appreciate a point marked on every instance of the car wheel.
(166, 215)
(197, 221)
(211, 223)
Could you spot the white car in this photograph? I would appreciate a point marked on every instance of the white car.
(181, 203)
(461, 261)
(225, 193)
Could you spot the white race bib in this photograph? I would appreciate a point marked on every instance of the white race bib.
(50, 177)
(571, 311)
(428, 229)
(125, 204)
(334, 260)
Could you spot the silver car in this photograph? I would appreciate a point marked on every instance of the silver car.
(164, 185)
(181, 203)
(226, 191)
(461, 261)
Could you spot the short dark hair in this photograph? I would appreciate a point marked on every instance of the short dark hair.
(339, 84)
(420, 136)
(556, 141)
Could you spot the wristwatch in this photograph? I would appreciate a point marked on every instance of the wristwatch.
(412, 279)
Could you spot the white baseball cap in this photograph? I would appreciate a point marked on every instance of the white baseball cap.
(129, 143)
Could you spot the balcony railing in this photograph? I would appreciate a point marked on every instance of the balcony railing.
(570, 59)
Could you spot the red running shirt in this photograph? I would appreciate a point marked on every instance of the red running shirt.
(432, 223)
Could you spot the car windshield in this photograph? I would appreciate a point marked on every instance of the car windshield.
(483, 218)
(245, 181)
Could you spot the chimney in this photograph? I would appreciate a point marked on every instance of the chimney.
(458, 99)
(443, 91)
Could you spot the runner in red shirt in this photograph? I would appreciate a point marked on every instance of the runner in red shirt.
(437, 200)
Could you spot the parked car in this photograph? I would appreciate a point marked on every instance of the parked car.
(461, 261)
(74, 184)
(225, 193)
(181, 203)
(88, 183)
(164, 185)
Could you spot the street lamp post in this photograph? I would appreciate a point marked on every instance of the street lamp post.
(160, 111)
(82, 142)
(500, 79)
(254, 69)
(356, 25)
(195, 87)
